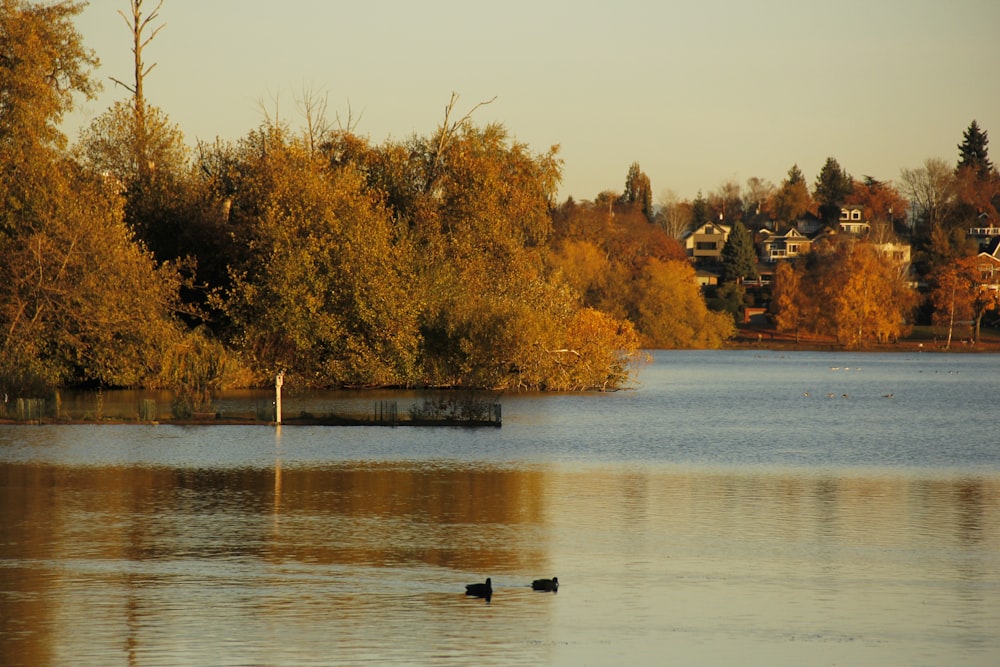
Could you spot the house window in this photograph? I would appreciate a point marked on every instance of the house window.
(705, 245)
(855, 214)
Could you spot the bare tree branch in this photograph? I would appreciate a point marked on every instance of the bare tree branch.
(447, 133)
(351, 124)
(313, 108)
(138, 25)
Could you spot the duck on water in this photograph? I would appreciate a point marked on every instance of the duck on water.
(484, 590)
(546, 584)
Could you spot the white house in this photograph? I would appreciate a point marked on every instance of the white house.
(705, 243)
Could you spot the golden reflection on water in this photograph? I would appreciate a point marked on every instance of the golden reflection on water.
(738, 566)
(293, 565)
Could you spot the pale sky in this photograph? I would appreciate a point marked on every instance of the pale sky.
(698, 92)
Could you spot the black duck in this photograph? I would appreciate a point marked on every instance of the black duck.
(546, 584)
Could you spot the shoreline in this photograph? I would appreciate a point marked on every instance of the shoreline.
(923, 339)
(236, 421)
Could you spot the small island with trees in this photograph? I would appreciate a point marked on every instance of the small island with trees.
(131, 260)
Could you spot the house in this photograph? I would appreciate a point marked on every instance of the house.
(988, 265)
(852, 221)
(704, 244)
(791, 244)
(809, 224)
(985, 234)
(899, 252)
(706, 278)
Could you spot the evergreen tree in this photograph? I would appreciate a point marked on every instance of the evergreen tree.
(699, 211)
(795, 175)
(973, 152)
(792, 199)
(638, 191)
(832, 187)
(738, 257)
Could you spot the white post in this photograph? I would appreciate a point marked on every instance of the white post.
(279, 379)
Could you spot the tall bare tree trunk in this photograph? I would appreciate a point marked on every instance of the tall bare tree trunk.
(138, 25)
(951, 317)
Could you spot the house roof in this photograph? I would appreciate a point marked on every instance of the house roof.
(988, 258)
(720, 229)
(993, 248)
(823, 232)
(791, 233)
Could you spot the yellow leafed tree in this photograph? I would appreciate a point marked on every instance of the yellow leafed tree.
(672, 312)
(849, 291)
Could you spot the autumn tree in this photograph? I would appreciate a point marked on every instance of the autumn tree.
(791, 304)
(482, 228)
(600, 352)
(976, 199)
(884, 206)
(155, 180)
(671, 311)
(584, 266)
(849, 291)
(416, 262)
(137, 144)
(582, 220)
(792, 199)
(864, 295)
(606, 254)
(80, 302)
(43, 63)
(319, 284)
(959, 295)
(630, 245)
(985, 299)
(953, 291)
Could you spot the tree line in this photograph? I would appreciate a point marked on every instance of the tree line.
(130, 259)
(854, 289)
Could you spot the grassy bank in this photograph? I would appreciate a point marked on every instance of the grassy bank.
(921, 339)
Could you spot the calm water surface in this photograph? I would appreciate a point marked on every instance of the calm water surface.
(737, 508)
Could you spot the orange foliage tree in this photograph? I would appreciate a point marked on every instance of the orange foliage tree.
(959, 294)
(671, 312)
(849, 291)
(883, 205)
(621, 264)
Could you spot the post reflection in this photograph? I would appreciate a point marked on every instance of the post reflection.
(277, 474)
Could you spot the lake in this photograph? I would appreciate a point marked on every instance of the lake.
(737, 507)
